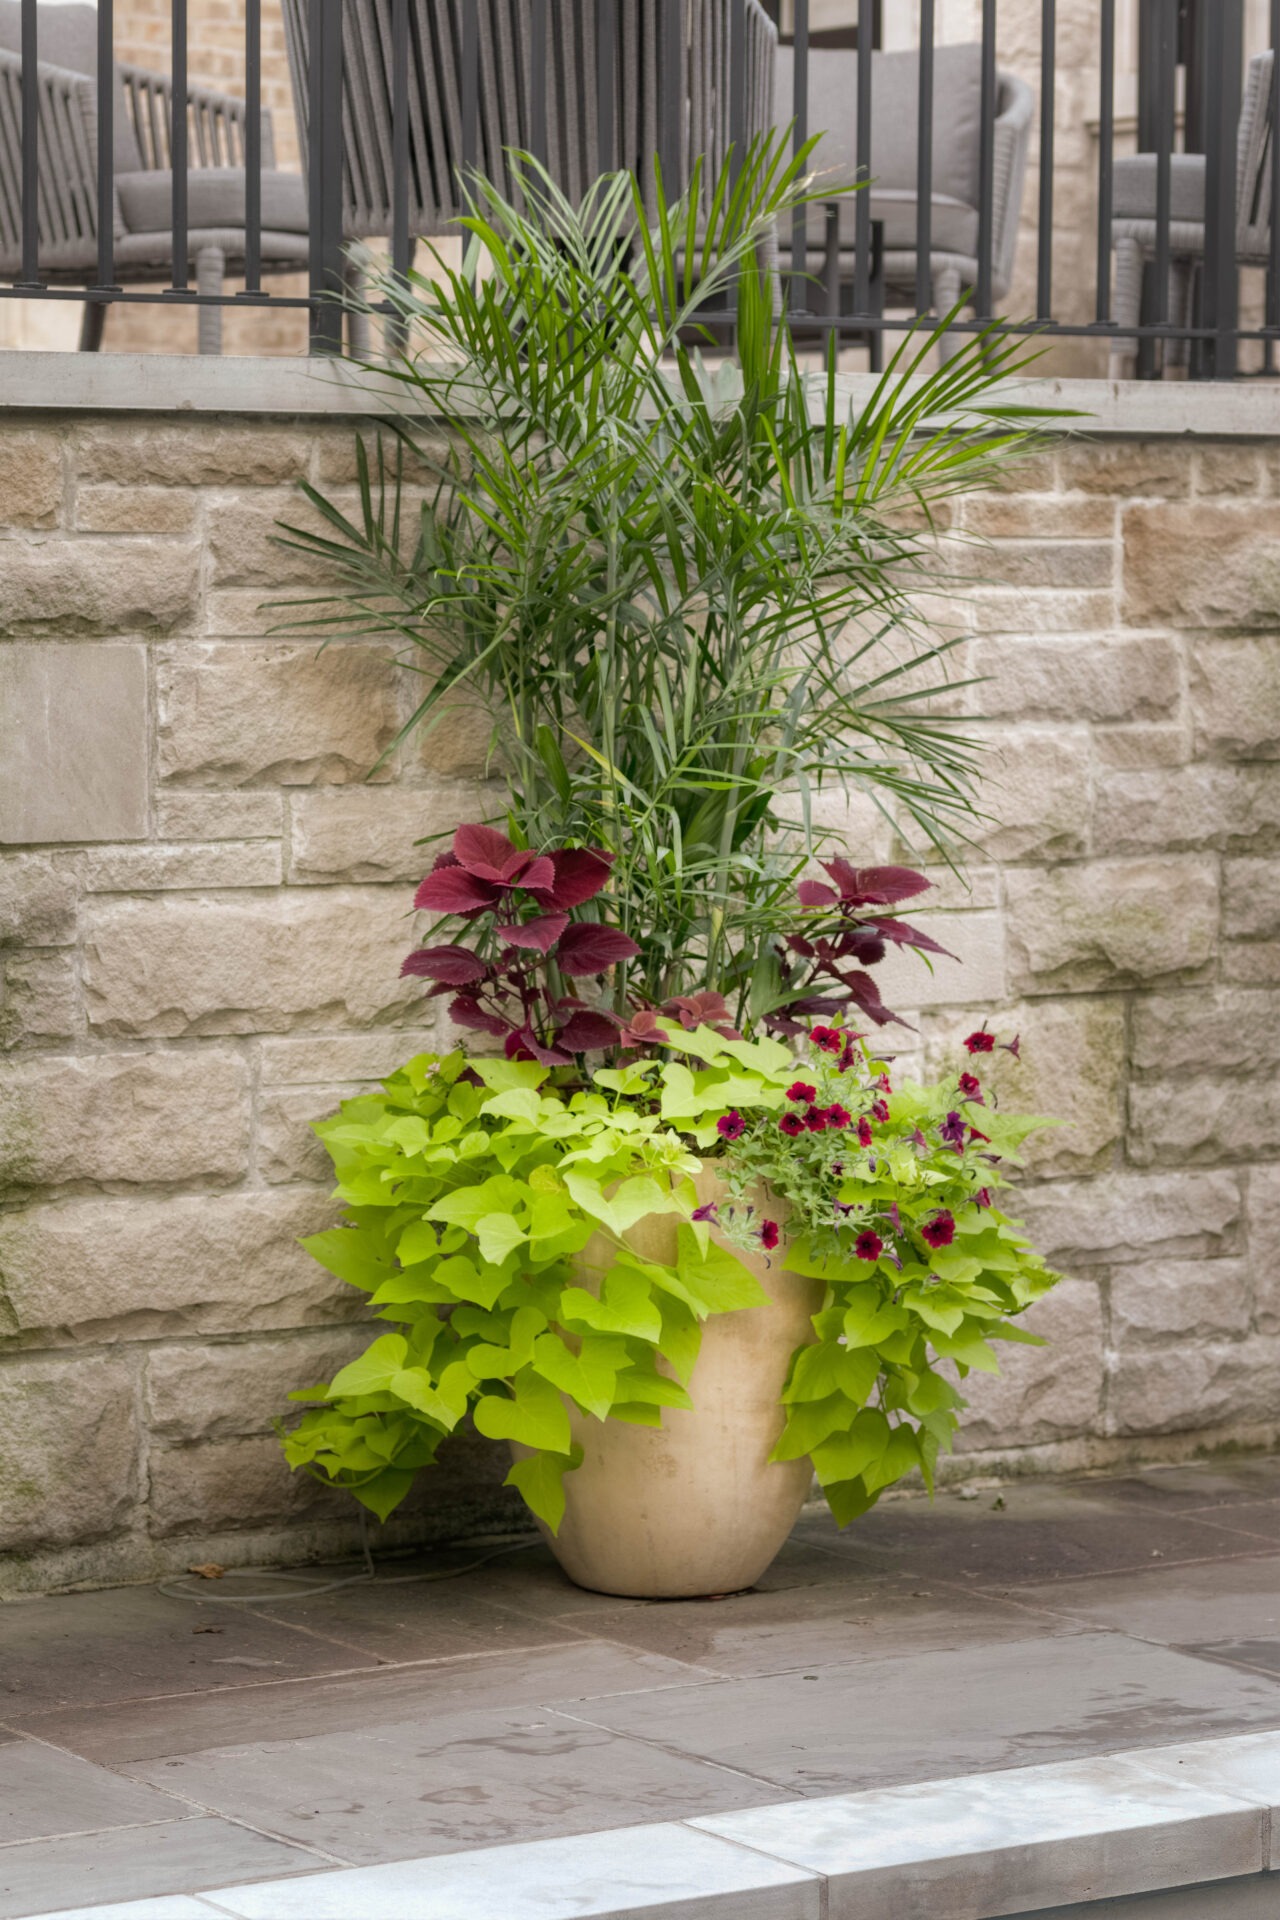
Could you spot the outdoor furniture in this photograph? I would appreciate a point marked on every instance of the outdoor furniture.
(143, 241)
(1134, 229)
(893, 194)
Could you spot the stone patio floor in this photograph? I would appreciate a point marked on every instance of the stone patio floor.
(153, 1744)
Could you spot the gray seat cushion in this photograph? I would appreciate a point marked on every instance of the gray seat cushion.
(67, 37)
(215, 198)
(1134, 189)
(895, 115)
(954, 227)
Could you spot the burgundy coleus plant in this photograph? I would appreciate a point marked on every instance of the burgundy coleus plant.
(825, 966)
(509, 982)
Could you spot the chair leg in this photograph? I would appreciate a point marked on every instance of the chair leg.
(946, 292)
(1177, 353)
(353, 289)
(1126, 307)
(211, 267)
(92, 322)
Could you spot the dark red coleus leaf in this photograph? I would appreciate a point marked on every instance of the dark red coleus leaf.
(467, 1012)
(455, 890)
(587, 1031)
(816, 893)
(905, 936)
(455, 966)
(874, 886)
(531, 870)
(580, 873)
(587, 948)
(862, 989)
(482, 850)
(525, 1044)
(540, 934)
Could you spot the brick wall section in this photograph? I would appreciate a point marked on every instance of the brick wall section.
(203, 909)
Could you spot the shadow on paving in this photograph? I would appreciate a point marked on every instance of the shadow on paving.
(151, 1744)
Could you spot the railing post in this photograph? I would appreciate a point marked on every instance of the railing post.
(1221, 65)
(325, 175)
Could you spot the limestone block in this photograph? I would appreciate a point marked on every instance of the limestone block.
(101, 1118)
(372, 833)
(1199, 1122)
(1070, 1068)
(68, 1449)
(193, 453)
(1126, 469)
(1129, 749)
(30, 481)
(158, 869)
(1197, 806)
(1235, 697)
(456, 743)
(1111, 677)
(843, 823)
(41, 999)
(1189, 1386)
(232, 1483)
(248, 963)
(1168, 1302)
(142, 1268)
(1038, 516)
(1032, 610)
(242, 613)
(977, 941)
(233, 715)
(1069, 565)
(336, 456)
(134, 510)
(220, 1390)
(62, 587)
(244, 534)
(1230, 468)
(1252, 963)
(1251, 898)
(1211, 564)
(1041, 1393)
(37, 901)
(1036, 785)
(1262, 1211)
(1109, 924)
(73, 743)
(1131, 1216)
(288, 1150)
(1199, 1031)
(219, 816)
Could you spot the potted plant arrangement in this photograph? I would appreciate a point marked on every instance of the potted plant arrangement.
(667, 1224)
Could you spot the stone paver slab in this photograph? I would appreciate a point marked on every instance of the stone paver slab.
(401, 1619)
(682, 1874)
(1259, 1519)
(1247, 1767)
(43, 1792)
(166, 1906)
(133, 1862)
(1181, 1606)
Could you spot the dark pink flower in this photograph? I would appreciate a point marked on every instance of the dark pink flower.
(884, 1083)
(868, 1245)
(791, 1124)
(971, 1087)
(731, 1126)
(827, 1038)
(801, 1090)
(880, 1111)
(848, 1056)
(1013, 1046)
(982, 1198)
(864, 1133)
(952, 1131)
(981, 1042)
(975, 1135)
(708, 1212)
(941, 1230)
(838, 1117)
(769, 1235)
(816, 1120)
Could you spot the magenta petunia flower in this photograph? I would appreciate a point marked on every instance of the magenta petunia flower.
(731, 1126)
(848, 1055)
(801, 1090)
(982, 1198)
(769, 1235)
(838, 1117)
(941, 1230)
(868, 1245)
(708, 1212)
(1013, 1046)
(971, 1087)
(791, 1124)
(827, 1038)
(884, 1083)
(981, 1041)
(880, 1111)
(864, 1133)
(952, 1131)
(816, 1120)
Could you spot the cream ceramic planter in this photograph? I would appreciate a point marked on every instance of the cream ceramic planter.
(695, 1506)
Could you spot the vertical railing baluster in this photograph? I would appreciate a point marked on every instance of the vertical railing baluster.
(1044, 238)
(106, 145)
(400, 140)
(798, 297)
(737, 80)
(253, 146)
(983, 298)
(30, 147)
(325, 170)
(862, 199)
(1273, 223)
(1106, 154)
(606, 60)
(670, 100)
(178, 156)
(924, 163)
(470, 91)
(538, 83)
(1166, 49)
(1222, 49)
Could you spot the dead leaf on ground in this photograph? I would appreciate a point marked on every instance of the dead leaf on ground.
(209, 1571)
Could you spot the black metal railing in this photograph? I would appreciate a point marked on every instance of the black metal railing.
(107, 194)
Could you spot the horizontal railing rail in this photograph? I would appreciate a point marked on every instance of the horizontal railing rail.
(120, 185)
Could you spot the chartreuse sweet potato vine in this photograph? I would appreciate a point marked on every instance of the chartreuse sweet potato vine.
(481, 1195)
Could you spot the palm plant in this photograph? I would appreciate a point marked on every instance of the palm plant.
(681, 584)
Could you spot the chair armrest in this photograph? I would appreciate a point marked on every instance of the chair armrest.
(68, 202)
(215, 121)
(1011, 146)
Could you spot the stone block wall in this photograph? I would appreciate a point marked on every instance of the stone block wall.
(203, 906)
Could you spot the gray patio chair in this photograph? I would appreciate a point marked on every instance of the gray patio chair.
(68, 204)
(957, 95)
(505, 106)
(1133, 226)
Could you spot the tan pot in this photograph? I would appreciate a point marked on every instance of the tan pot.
(695, 1506)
